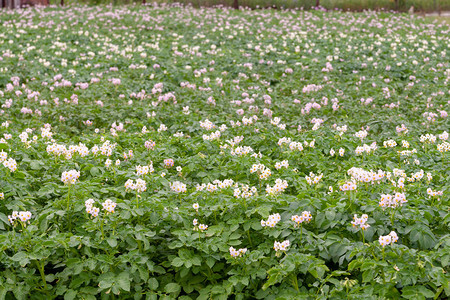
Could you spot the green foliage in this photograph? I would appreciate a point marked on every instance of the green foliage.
(82, 88)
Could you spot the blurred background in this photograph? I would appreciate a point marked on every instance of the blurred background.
(438, 7)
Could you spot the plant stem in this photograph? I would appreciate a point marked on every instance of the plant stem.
(41, 271)
(295, 282)
(392, 216)
(68, 198)
(139, 245)
(301, 231)
(137, 200)
(249, 238)
(68, 209)
(101, 227)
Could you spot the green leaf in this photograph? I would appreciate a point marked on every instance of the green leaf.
(417, 292)
(153, 284)
(106, 280)
(172, 288)
(35, 165)
(330, 214)
(177, 262)
(4, 218)
(70, 295)
(22, 258)
(123, 281)
(94, 171)
(112, 242)
(368, 275)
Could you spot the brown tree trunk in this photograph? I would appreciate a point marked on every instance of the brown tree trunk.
(317, 3)
(143, 2)
(62, 2)
(236, 4)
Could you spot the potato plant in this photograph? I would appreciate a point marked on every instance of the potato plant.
(169, 152)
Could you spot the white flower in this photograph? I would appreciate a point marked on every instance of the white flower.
(70, 177)
(277, 246)
(109, 205)
(389, 239)
(178, 187)
(22, 216)
(236, 253)
(11, 164)
(271, 221)
(202, 227)
(140, 186)
(361, 222)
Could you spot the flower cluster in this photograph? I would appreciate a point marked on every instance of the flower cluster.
(210, 187)
(271, 221)
(279, 187)
(428, 138)
(105, 149)
(282, 164)
(284, 140)
(305, 217)
(90, 208)
(213, 136)
(444, 147)
(168, 163)
(283, 246)
(361, 222)
(244, 192)
(296, 146)
(70, 177)
(416, 176)
(178, 187)
(235, 253)
(241, 151)
(348, 186)
(150, 145)
(389, 144)
(361, 175)
(11, 164)
(207, 124)
(313, 178)
(22, 216)
(139, 186)
(361, 134)
(3, 156)
(366, 148)
(432, 193)
(341, 129)
(144, 170)
(389, 201)
(109, 206)
(401, 129)
(407, 152)
(389, 239)
(197, 226)
(261, 170)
